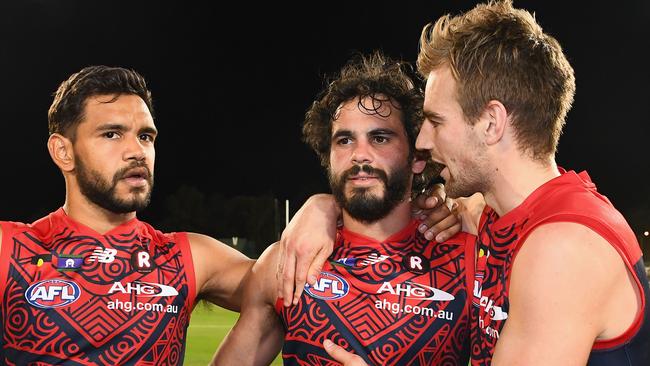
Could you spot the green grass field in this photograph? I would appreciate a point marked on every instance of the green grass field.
(208, 326)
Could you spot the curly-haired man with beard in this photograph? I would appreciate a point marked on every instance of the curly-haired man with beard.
(393, 296)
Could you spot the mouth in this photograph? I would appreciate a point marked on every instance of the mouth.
(136, 177)
(362, 177)
(362, 180)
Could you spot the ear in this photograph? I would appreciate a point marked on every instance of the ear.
(61, 152)
(496, 115)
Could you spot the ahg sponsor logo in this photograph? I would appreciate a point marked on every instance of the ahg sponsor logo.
(55, 293)
(329, 286)
(412, 290)
(143, 289)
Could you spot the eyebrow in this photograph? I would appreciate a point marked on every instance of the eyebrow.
(373, 132)
(381, 131)
(431, 115)
(341, 133)
(122, 128)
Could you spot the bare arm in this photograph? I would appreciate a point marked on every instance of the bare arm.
(568, 288)
(257, 336)
(219, 271)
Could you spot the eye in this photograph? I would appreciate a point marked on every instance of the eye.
(433, 123)
(111, 135)
(344, 141)
(147, 137)
(380, 139)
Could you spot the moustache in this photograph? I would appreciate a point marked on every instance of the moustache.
(355, 170)
(127, 171)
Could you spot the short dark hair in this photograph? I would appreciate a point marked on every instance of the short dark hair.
(67, 109)
(375, 76)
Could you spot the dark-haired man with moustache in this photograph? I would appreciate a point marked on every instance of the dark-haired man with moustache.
(90, 284)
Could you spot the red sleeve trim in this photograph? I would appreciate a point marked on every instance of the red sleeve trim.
(188, 261)
(5, 255)
(470, 268)
(278, 306)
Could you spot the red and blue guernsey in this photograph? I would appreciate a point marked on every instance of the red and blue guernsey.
(75, 297)
(570, 197)
(402, 301)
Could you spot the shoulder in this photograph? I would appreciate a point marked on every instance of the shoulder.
(262, 284)
(200, 240)
(566, 249)
(567, 243)
(564, 268)
(206, 248)
(268, 261)
(218, 268)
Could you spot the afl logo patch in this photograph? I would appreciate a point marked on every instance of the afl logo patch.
(48, 294)
(329, 286)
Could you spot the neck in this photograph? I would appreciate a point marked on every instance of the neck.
(381, 229)
(83, 211)
(515, 180)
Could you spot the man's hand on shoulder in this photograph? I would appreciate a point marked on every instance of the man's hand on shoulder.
(443, 217)
(305, 245)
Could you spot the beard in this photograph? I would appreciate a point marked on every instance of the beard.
(103, 193)
(472, 176)
(469, 182)
(364, 206)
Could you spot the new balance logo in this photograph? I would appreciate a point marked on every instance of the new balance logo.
(373, 258)
(103, 255)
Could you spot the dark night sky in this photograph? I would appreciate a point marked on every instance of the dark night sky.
(231, 85)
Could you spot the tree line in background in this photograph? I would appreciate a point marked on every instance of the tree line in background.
(248, 223)
(255, 222)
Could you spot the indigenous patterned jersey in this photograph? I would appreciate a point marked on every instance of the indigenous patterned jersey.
(570, 197)
(75, 297)
(403, 301)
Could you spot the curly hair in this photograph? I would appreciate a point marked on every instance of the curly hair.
(498, 52)
(67, 109)
(377, 77)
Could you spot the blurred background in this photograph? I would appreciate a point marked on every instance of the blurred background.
(231, 85)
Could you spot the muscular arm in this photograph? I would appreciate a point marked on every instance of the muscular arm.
(257, 336)
(568, 288)
(219, 271)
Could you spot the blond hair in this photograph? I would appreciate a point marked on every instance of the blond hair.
(497, 52)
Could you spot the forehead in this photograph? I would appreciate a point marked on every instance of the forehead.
(368, 112)
(125, 109)
(440, 92)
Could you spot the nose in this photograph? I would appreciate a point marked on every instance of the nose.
(424, 140)
(134, 150)
(361, 153)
